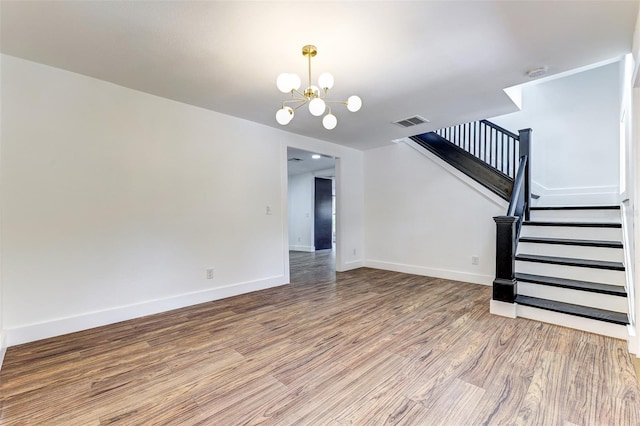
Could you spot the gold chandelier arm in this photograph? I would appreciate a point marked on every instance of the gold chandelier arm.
(336, 102)
(290, 101)
(323, 94)
(297, 92)
(300, 106)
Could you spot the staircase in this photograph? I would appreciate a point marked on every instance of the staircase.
(561, 265)
(569, 270)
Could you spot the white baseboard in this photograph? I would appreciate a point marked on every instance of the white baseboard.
(431, 272)
(578, 196)
(302, 248)
(571, 321)
(503, 309)
(348, 266)
(59, 326)
(3, 347)
(633, 340)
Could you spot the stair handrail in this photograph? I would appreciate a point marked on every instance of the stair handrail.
(500, 129)
(517, 202)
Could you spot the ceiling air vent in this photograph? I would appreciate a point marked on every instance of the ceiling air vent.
(294, 159)
(411, 121)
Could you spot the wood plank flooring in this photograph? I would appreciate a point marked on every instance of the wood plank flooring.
(362, 347)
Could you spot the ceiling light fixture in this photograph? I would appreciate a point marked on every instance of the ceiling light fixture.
(537, 72)
(315, 96)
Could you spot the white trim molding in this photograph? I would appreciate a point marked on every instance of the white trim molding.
(431, 272)
(503, 309)
(596, 195)
(309, 249)
(632, 344)
(571, 321)
(348, 266)
(32, 332)
(3, 347)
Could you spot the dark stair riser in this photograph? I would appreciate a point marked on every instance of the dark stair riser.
(587, 286)
(565, 261)
(541, 208)
(574, 224)
(576, 310)
(572, 242)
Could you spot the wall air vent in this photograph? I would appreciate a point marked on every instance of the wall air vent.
(411, 121)
(294, 159)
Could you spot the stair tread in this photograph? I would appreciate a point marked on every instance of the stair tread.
(577, 224)
(571, 242)
(613, 290)
(571, 309)
(605, 207)
(568, 261)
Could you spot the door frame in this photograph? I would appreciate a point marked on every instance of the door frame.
(285, 206)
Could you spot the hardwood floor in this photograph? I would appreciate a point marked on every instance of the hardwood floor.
(361, 347)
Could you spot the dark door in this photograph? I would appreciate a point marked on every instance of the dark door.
(323, 214)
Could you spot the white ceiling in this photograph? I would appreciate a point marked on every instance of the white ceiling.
(447, 61)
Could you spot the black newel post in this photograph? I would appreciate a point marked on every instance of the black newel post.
(525, 149)
(505, 285)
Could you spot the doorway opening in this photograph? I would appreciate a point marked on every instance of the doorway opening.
(312, 216)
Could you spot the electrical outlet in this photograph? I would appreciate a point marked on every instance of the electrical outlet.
(354, 252)
(268, 210)
(475, 260)
(210, 273)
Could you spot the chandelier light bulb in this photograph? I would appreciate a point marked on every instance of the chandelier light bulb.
(284, 82)
(284, 116)
(329, 121)
(354, 103)
(317, 107)
(325, 81)
(295, 81)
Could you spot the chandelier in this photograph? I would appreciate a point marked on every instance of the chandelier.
(314, 96)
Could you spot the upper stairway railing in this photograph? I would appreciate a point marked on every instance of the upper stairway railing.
(488, 142)
(483, 151)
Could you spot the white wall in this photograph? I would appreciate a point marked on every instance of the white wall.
(2, 333)
(422, 219)
(575, 141)
(301, 217)
(627, 184)
(116, 201)
(634, 192)
(631, 218)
